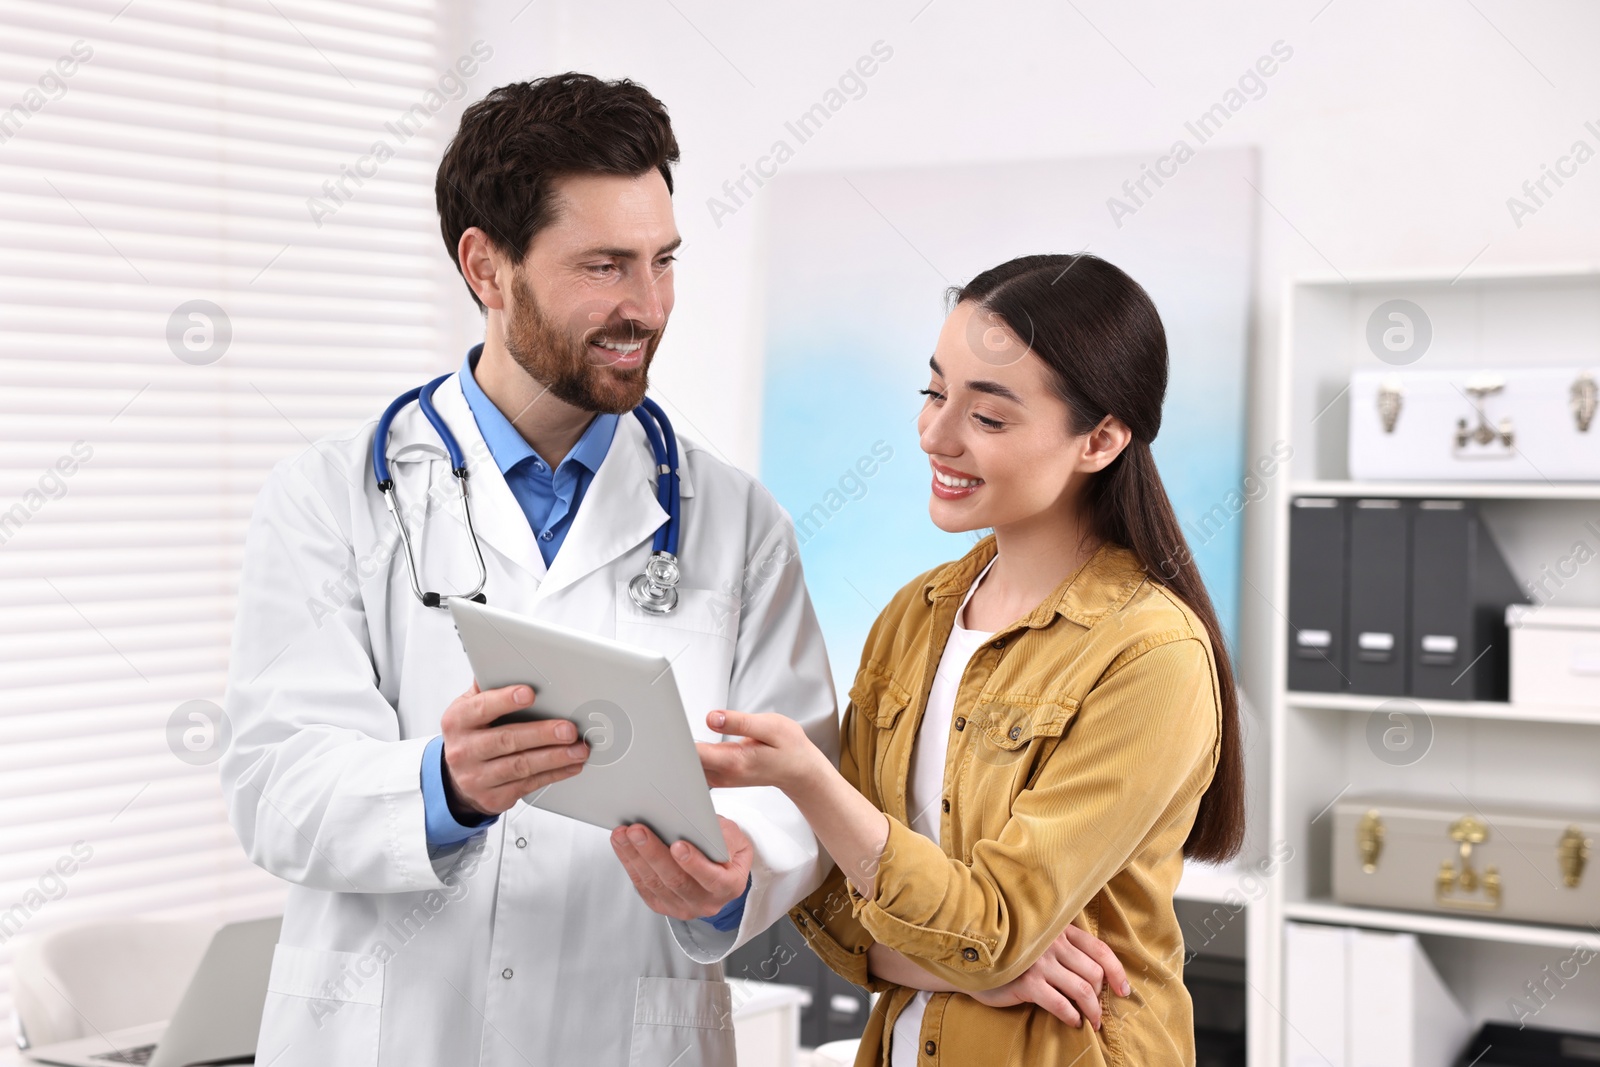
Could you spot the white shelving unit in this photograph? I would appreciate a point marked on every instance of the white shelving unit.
(1450, 490)
(1326, 911)
(1481, 750)
(1462, 709)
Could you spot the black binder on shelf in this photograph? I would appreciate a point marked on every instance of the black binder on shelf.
(1317, 555)
(1504, 1045)
(1460, 586)
(1379, 579)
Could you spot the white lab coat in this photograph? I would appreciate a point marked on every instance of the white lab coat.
(529, 944)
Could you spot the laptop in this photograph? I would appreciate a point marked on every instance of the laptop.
(216, 1022)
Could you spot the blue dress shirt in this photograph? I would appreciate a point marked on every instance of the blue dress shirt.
(548, 498)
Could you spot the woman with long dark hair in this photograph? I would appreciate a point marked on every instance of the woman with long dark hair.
(1041, 731)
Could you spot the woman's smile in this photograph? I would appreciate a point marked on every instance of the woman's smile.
(951, 484)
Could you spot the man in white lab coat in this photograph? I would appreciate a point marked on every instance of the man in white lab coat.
(432, 918)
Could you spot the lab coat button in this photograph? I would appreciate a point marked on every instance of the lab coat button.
(522, 842)
(506, 973)
(970, 955)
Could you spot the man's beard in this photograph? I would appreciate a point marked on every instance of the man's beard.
(565, 364)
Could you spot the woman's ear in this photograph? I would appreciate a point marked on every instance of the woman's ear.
(1103, 444)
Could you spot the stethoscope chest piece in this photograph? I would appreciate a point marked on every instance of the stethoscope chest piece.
(656, 589)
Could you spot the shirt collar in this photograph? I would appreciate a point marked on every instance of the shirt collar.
(509, 447)
(1102, 584)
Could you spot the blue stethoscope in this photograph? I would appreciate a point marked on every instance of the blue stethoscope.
(655, 590)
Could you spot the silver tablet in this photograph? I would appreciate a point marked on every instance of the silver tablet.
(624, 701)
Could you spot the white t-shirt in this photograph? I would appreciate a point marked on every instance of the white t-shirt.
(925, 789)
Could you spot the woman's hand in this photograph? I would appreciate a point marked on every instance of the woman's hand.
(772, 750)
(1066, 980)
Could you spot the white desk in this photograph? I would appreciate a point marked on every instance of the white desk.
(766, 1020)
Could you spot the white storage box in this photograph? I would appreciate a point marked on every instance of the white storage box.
(1527, 424)
(766, 1021)
(1555, 655)
(1368, 998)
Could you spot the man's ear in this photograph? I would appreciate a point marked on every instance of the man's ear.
(480, 263)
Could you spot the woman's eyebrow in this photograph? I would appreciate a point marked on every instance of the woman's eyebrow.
(983, 385)
(1004, 392)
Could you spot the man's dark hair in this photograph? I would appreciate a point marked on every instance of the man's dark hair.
(497, 170)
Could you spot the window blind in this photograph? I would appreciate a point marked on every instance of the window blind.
(217, 244)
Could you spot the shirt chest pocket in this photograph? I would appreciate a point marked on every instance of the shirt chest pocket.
(882, 701)
(1011, 738)
(880, 698)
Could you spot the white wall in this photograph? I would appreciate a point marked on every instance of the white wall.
(1390, 140)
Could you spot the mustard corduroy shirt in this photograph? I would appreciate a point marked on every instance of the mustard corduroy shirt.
(1081, 741)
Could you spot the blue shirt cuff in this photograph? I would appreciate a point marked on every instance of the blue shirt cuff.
(442, 827)
(732, 913)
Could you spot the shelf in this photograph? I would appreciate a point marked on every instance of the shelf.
(1451, 490)
(1454, 278)
(1460, 709)
(1517, 933)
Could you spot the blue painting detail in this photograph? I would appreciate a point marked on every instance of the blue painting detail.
(857, 270)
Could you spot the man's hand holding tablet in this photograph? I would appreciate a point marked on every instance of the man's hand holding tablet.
(489, 768)
(680, 882)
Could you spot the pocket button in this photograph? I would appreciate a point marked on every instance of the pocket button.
(1016, 732)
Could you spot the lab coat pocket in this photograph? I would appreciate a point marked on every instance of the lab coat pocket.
(682, 1021)
(325, 1006)
(697, 638)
